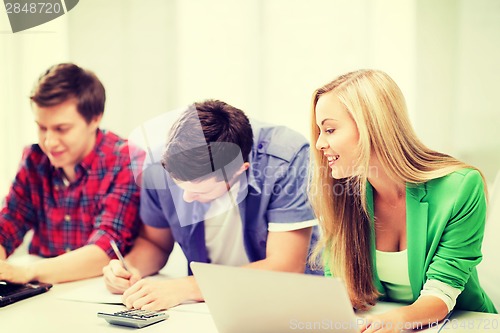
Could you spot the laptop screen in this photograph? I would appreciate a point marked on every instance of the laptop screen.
(13, 292)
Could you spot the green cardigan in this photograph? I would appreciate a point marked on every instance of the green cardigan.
(445, 221)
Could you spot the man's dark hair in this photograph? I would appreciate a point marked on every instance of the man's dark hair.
(227, 133)
(65, 81)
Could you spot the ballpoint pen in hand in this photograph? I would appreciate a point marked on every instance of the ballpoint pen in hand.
(118, 254)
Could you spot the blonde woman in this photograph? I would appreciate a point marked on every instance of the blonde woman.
(399, 221)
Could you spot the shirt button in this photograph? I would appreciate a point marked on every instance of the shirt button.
(68, 249)
(56, 187)
(67, 218)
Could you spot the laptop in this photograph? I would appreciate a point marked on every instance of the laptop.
(253, 300)
(13, 292)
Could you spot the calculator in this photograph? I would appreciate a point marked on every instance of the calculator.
(133, 317)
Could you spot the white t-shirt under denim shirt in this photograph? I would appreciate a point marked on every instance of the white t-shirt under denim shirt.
(224, 232)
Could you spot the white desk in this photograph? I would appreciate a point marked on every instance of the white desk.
(49, 313)
(466, 321)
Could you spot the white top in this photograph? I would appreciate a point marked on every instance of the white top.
(224, 237)
(224, 230)
(392, 269)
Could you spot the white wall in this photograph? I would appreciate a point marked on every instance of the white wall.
(437, 39)
(457, 71)
(23, 57)
(476, 135)
(266, 57)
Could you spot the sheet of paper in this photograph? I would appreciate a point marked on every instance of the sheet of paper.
(191, 307)
(93, 291)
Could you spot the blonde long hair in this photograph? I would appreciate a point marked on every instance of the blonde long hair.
(378, 108)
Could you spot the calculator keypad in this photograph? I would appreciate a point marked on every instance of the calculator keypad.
(133, 317)
(138, 313)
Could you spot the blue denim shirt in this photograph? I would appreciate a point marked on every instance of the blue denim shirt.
(277, 193)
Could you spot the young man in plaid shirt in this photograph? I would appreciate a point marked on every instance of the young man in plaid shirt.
(75, 188)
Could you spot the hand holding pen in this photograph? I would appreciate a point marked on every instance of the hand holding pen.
(118, 254)
(118, 275)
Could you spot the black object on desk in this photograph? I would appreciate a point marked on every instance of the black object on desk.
(13, 292)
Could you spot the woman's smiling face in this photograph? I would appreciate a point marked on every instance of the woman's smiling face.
(338, 135)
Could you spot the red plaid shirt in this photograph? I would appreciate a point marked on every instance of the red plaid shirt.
(100, 205)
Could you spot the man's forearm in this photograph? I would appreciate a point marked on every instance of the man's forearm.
(147, 257)
(286, 251)
(3, 253)
(82, 263)
(278, 265)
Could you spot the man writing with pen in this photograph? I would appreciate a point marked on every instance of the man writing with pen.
(230, 192)
(75, 189)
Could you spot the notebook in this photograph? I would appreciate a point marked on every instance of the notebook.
(252, 300)
(13, 292)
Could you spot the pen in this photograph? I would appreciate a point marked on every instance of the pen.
(118, 254)
(445, 321)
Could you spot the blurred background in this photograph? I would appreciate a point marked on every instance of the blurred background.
(266, 57)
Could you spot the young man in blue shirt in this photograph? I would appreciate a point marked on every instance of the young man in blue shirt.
(234, 194)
